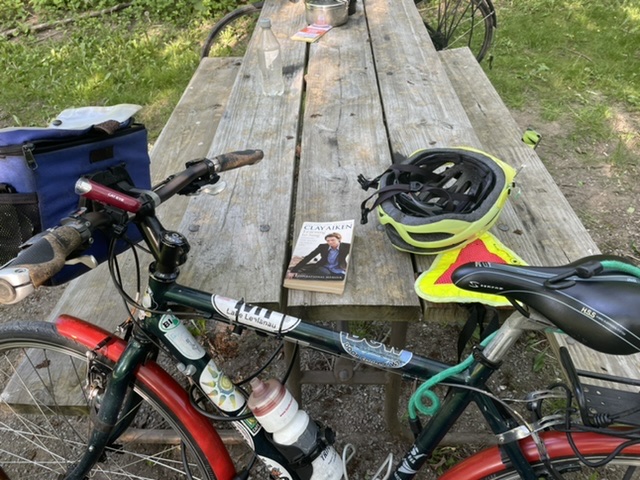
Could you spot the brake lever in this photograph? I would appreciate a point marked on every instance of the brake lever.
(201, 184)
(88, 261)
(213, 189)
(210, 186)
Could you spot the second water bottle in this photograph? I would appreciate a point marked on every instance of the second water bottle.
(270, 60)
(294, 433)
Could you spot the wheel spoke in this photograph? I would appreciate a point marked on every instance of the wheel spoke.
(45, 420)
(459, 23)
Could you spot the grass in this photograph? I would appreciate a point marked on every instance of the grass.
(95, 67)
(572, 61)
(124, 58)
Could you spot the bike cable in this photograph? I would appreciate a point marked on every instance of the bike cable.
(219, 418)
(250, 377)
(606, 459)
(542, 450)
(415, 402)
(349, 451)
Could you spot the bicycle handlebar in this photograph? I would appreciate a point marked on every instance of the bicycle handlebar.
(46, 253)
(232, 160)
(99, 193)
(39, 262)
(205, 167)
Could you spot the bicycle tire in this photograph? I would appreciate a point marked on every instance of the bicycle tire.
(620, 468)
(230, 36)
(43, 434)
(459, 23)
(488, 465)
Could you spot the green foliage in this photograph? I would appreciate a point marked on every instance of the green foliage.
(197, 327)
(176, 11)
(22, 13)
(12, 12)
(539, 346)
(143, 54)
(102, 61)
(65, 6)
(443, 458)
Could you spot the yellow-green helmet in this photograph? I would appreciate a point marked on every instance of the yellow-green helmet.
(441, 199)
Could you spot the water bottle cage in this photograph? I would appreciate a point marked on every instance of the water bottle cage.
(301, 461)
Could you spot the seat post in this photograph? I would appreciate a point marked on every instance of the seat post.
(508, 334)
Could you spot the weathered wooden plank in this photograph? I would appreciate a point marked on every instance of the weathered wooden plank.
(53, 381)
(420, 105)
(422, 110)
(190, 130)
(240, 246)
(344, 136)
(553, 228)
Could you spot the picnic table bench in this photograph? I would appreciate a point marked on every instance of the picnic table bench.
(363, 96)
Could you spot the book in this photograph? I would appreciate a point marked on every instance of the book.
(311, 33)
(320, 257)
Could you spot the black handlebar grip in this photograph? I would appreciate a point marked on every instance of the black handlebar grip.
(47, 255)
(231, 160)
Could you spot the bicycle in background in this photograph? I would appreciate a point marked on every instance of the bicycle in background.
(450, 23)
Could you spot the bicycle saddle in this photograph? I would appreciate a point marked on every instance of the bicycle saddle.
(599, 308)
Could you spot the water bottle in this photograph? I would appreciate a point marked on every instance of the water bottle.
(295, 434)
(270, 60)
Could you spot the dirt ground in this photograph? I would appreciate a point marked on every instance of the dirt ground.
(605, 196)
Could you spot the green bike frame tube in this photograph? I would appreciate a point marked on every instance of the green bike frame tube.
(237, 312)
(408, 364)
(110, 406)
(195, 362)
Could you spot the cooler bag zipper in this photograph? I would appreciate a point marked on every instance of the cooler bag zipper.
(28, 150)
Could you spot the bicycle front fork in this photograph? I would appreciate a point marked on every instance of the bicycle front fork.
(114, 403)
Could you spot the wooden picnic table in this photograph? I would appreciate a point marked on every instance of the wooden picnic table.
(366, 94)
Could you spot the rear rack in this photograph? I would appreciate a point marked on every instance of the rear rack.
(601, 406)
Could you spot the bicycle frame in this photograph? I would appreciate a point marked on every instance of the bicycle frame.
(197, 364)
(154, 377)
(403, 362)
(522, 448)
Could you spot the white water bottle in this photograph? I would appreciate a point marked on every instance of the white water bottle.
(270, 60)
(278, 413)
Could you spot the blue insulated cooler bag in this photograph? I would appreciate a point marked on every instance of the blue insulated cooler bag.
(39, 168)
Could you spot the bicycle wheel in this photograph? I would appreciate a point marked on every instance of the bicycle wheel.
(459, 23)
(45, 414)
(489, 464)
(230, 36)
(621, 468)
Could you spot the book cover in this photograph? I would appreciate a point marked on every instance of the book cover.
(311, 33)
(320, 258)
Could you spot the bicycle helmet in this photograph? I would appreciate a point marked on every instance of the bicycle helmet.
(440, 199)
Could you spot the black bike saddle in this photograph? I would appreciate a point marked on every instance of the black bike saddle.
(599, 308)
